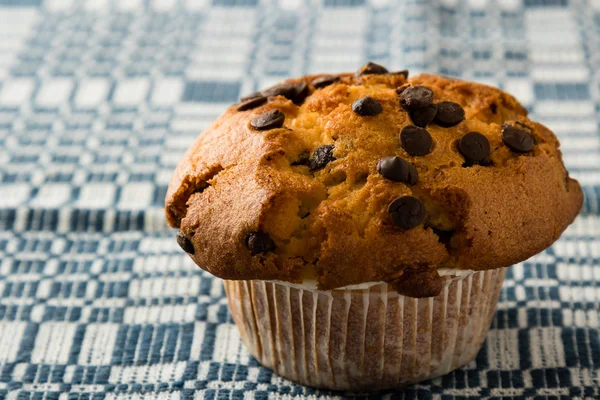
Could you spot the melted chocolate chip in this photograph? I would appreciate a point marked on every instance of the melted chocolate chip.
(416, 141)
(494, 108)
(474, 147)
(397, 170)
(371, 68)
(286, 90)
(414, 97)
(423, 116)
(185, 243)
(367, 106)
(322, 156)
(300, 93)
(269, 120)
(517, 139)
(323, 81)
(259, 243)
(407, 211)
(449, 114)
(252, 103)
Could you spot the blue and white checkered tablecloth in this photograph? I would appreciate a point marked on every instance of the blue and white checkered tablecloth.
(100, 98)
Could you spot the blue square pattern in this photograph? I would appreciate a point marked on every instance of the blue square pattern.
(211, 92)
(98, 101)
(343, 3)
(562, 91)
(235, 3)
(545, 3)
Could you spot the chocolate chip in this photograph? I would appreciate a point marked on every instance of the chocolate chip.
(286, 90)
(397, 170)
(449, 114)
(185, 243)
(517, 139)
(367, 106)
(423, 116)
(251, 96)
(269, 120)
(259, 243)
(403, 72)
(300, 92)
(323, 81)
(322, 156)
(416, 141)
(407, 211)
(413, 97)
(474, 147)
(252, 103)
(494, 108)
(371, 68)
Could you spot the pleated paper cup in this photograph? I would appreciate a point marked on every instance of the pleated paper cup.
(364, 339)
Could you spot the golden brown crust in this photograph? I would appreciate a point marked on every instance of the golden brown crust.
(334, 223)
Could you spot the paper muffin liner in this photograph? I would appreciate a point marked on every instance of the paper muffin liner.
(364, 339)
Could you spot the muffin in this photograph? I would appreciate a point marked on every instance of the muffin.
(363, 223)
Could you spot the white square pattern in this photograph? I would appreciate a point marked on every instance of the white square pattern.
(53, 342)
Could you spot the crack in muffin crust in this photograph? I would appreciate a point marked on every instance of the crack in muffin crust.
(298, 181)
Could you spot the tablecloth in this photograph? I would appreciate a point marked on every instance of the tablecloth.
(100, 98)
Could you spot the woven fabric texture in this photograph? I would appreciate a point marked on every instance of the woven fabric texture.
(99, 100)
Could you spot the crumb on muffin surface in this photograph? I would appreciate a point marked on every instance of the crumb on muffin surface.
(370, 177)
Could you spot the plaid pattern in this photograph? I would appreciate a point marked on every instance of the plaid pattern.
(98, 101)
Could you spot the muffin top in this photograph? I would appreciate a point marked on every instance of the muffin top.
(369, 177)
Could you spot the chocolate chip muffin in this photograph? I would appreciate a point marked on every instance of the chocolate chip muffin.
(363, 223)
(370, 177)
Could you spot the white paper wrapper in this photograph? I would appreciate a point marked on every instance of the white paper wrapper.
(364, 339)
